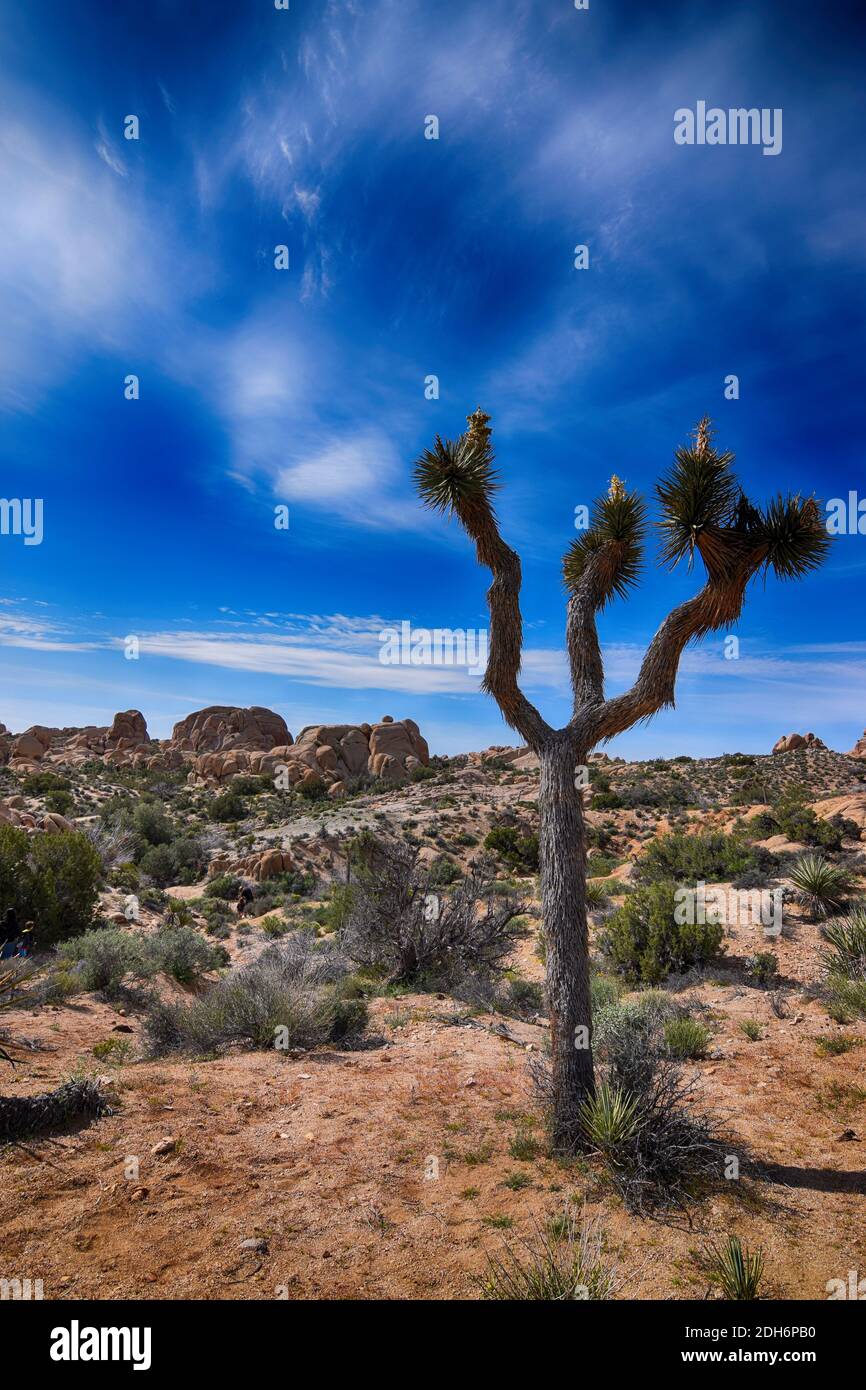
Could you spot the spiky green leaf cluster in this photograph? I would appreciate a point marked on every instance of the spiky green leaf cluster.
(699, 495)
(615, 535)
(457, 473)
(705, 509)
(796, 538)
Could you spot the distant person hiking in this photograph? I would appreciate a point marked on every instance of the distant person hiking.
(245, 897)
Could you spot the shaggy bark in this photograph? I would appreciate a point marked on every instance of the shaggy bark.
(562, 844)
(21, 1116)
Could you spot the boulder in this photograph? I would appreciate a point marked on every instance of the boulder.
(27, 748)
(789, 742)
(220, 727)
(859, 749)
(129, 729)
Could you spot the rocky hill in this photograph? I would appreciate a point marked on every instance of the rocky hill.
(222, 741)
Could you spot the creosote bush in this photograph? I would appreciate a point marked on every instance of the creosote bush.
(644, 942)
(712, 858)
(50, 879)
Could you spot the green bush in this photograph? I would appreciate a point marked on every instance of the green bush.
(645, 943)
(182, 953)
(711, 858)
(294, 995)
(226, 886)
(228, 806)
(686, 1039)
(51, 879)
(444, 871)
(103, 958)
(518, 851)
(42, 783)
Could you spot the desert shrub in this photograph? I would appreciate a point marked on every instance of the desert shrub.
(711, 857)
(181, 861)
(670, 1150)
(43, 783)
(272, 925)
(603, 990)
(228, 806)
(150, 822)
(226, 886)
(516, 849)
(644, 942)
(158, 864)
(401, 927)
(606, 801)
(103, 958)
(846, 999)
(126, 877)
(290, 997)
(762, 825)
(553, 1266)
(60, 801)
(422, 773)
(58, 986)
(182, 953)
(763, 967)
(50, 879)
(686, 1039)
(444, 871)
(247, 784)
(820, 887)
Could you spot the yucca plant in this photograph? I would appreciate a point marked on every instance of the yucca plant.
(596, 893)
(703, 512)
(820, 887)
(609, 1117)
(738, 1272)
(846, 939)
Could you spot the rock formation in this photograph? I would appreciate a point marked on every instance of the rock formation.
(221, 741)
(788, 742)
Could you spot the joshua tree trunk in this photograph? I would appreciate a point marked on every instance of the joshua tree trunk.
(562, 844)
(704, 512)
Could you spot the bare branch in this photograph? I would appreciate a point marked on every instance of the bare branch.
(459, 477)
(717, 605)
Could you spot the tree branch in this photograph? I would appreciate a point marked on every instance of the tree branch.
(506, 626)
(717, 605)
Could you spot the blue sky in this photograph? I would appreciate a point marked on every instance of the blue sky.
(412, 257)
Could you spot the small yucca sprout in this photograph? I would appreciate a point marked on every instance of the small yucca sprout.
(738, 1272)
(609, 1117)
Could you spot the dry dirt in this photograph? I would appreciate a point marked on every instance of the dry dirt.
(384, 1173)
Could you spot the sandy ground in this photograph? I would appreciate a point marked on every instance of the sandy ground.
(382, 1173)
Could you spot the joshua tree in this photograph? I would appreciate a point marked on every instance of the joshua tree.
(703, 510)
